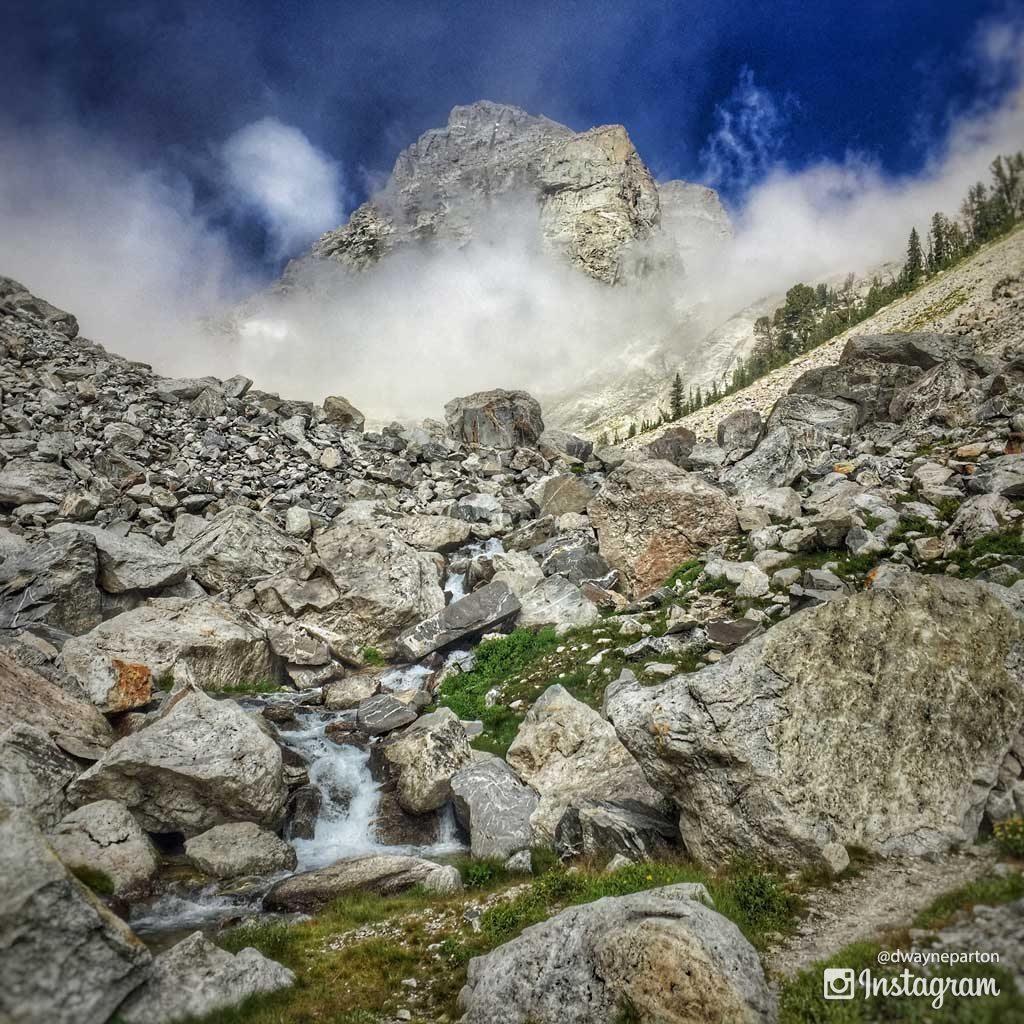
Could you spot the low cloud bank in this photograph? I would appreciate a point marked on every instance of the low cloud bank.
(128, 251)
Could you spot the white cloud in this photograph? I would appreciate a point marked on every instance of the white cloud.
(294, 187)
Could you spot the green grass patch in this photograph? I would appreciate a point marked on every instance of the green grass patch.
(351, 979)
(686, 573)
(988, 890)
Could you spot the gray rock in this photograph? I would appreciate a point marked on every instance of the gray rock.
(494, 807)
(384, 874)
(134, 562)
(340, 412)
(555, 495)
(64, 958)
(560, 442)
(52, 582)
(23, 482)
(566, 751)
(495, 419)
(652, 516)
(1003, 475)
(383, 713)
(424, 757)
(104, 836)
(555, 601)
(739, 432)
(674, 445)
(28, 698)
(201, 763)
(775, 462)
(208, 643)
(661, 952)
(194, 978)
(628, 828)
(35, 773)
(239, 848)
(814, 423)
(238, 545)
(384, 585)
(347, 694)
(434, 533)
(850, 723)
(479, 612)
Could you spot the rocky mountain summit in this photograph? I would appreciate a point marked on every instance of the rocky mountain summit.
(261, 669)
(596, 202)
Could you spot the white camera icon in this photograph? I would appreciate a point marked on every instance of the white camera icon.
(838, 982)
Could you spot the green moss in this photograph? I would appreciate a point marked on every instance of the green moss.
(371, 656)
(1004, 544)
(259, 686)
(93, 878)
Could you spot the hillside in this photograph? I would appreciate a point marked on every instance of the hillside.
(962, 300)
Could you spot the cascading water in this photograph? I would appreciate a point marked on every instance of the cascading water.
(349, 800)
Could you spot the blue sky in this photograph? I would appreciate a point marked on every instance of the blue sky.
(165, 83)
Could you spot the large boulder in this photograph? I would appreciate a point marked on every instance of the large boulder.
(814, 423)
(566, 751)
(341, 413)
(384, 585)
(602, 828)
(433, 533)
(556, 495)
(651, 516)
(494, 807)
(238, 545)
(675, 445)
(24, 482)
(739, 432)
(239, 848)
(194, 978)
(775, 462)
(481, 611)
(51, 582)
(202, 763)
(424, 757)
(555, 601)
(382, 873)
(35, 773)
(74, 724)
(662, 954)
(134, 562)
(105, 837)
(877, 720)
(166, 640)
(495, 419)
(64, 958)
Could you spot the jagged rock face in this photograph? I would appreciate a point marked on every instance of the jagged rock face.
(594, 196)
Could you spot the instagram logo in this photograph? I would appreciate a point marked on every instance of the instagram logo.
(838, 983)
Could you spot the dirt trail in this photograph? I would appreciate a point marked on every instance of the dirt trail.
(883, 897)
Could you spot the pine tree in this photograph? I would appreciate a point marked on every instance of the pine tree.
(632, 430)
(913, 268)
(677, 398)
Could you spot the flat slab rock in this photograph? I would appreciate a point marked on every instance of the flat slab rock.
(384, 874)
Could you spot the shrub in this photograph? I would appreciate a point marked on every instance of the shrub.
(1009, 836)
(372, 656)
